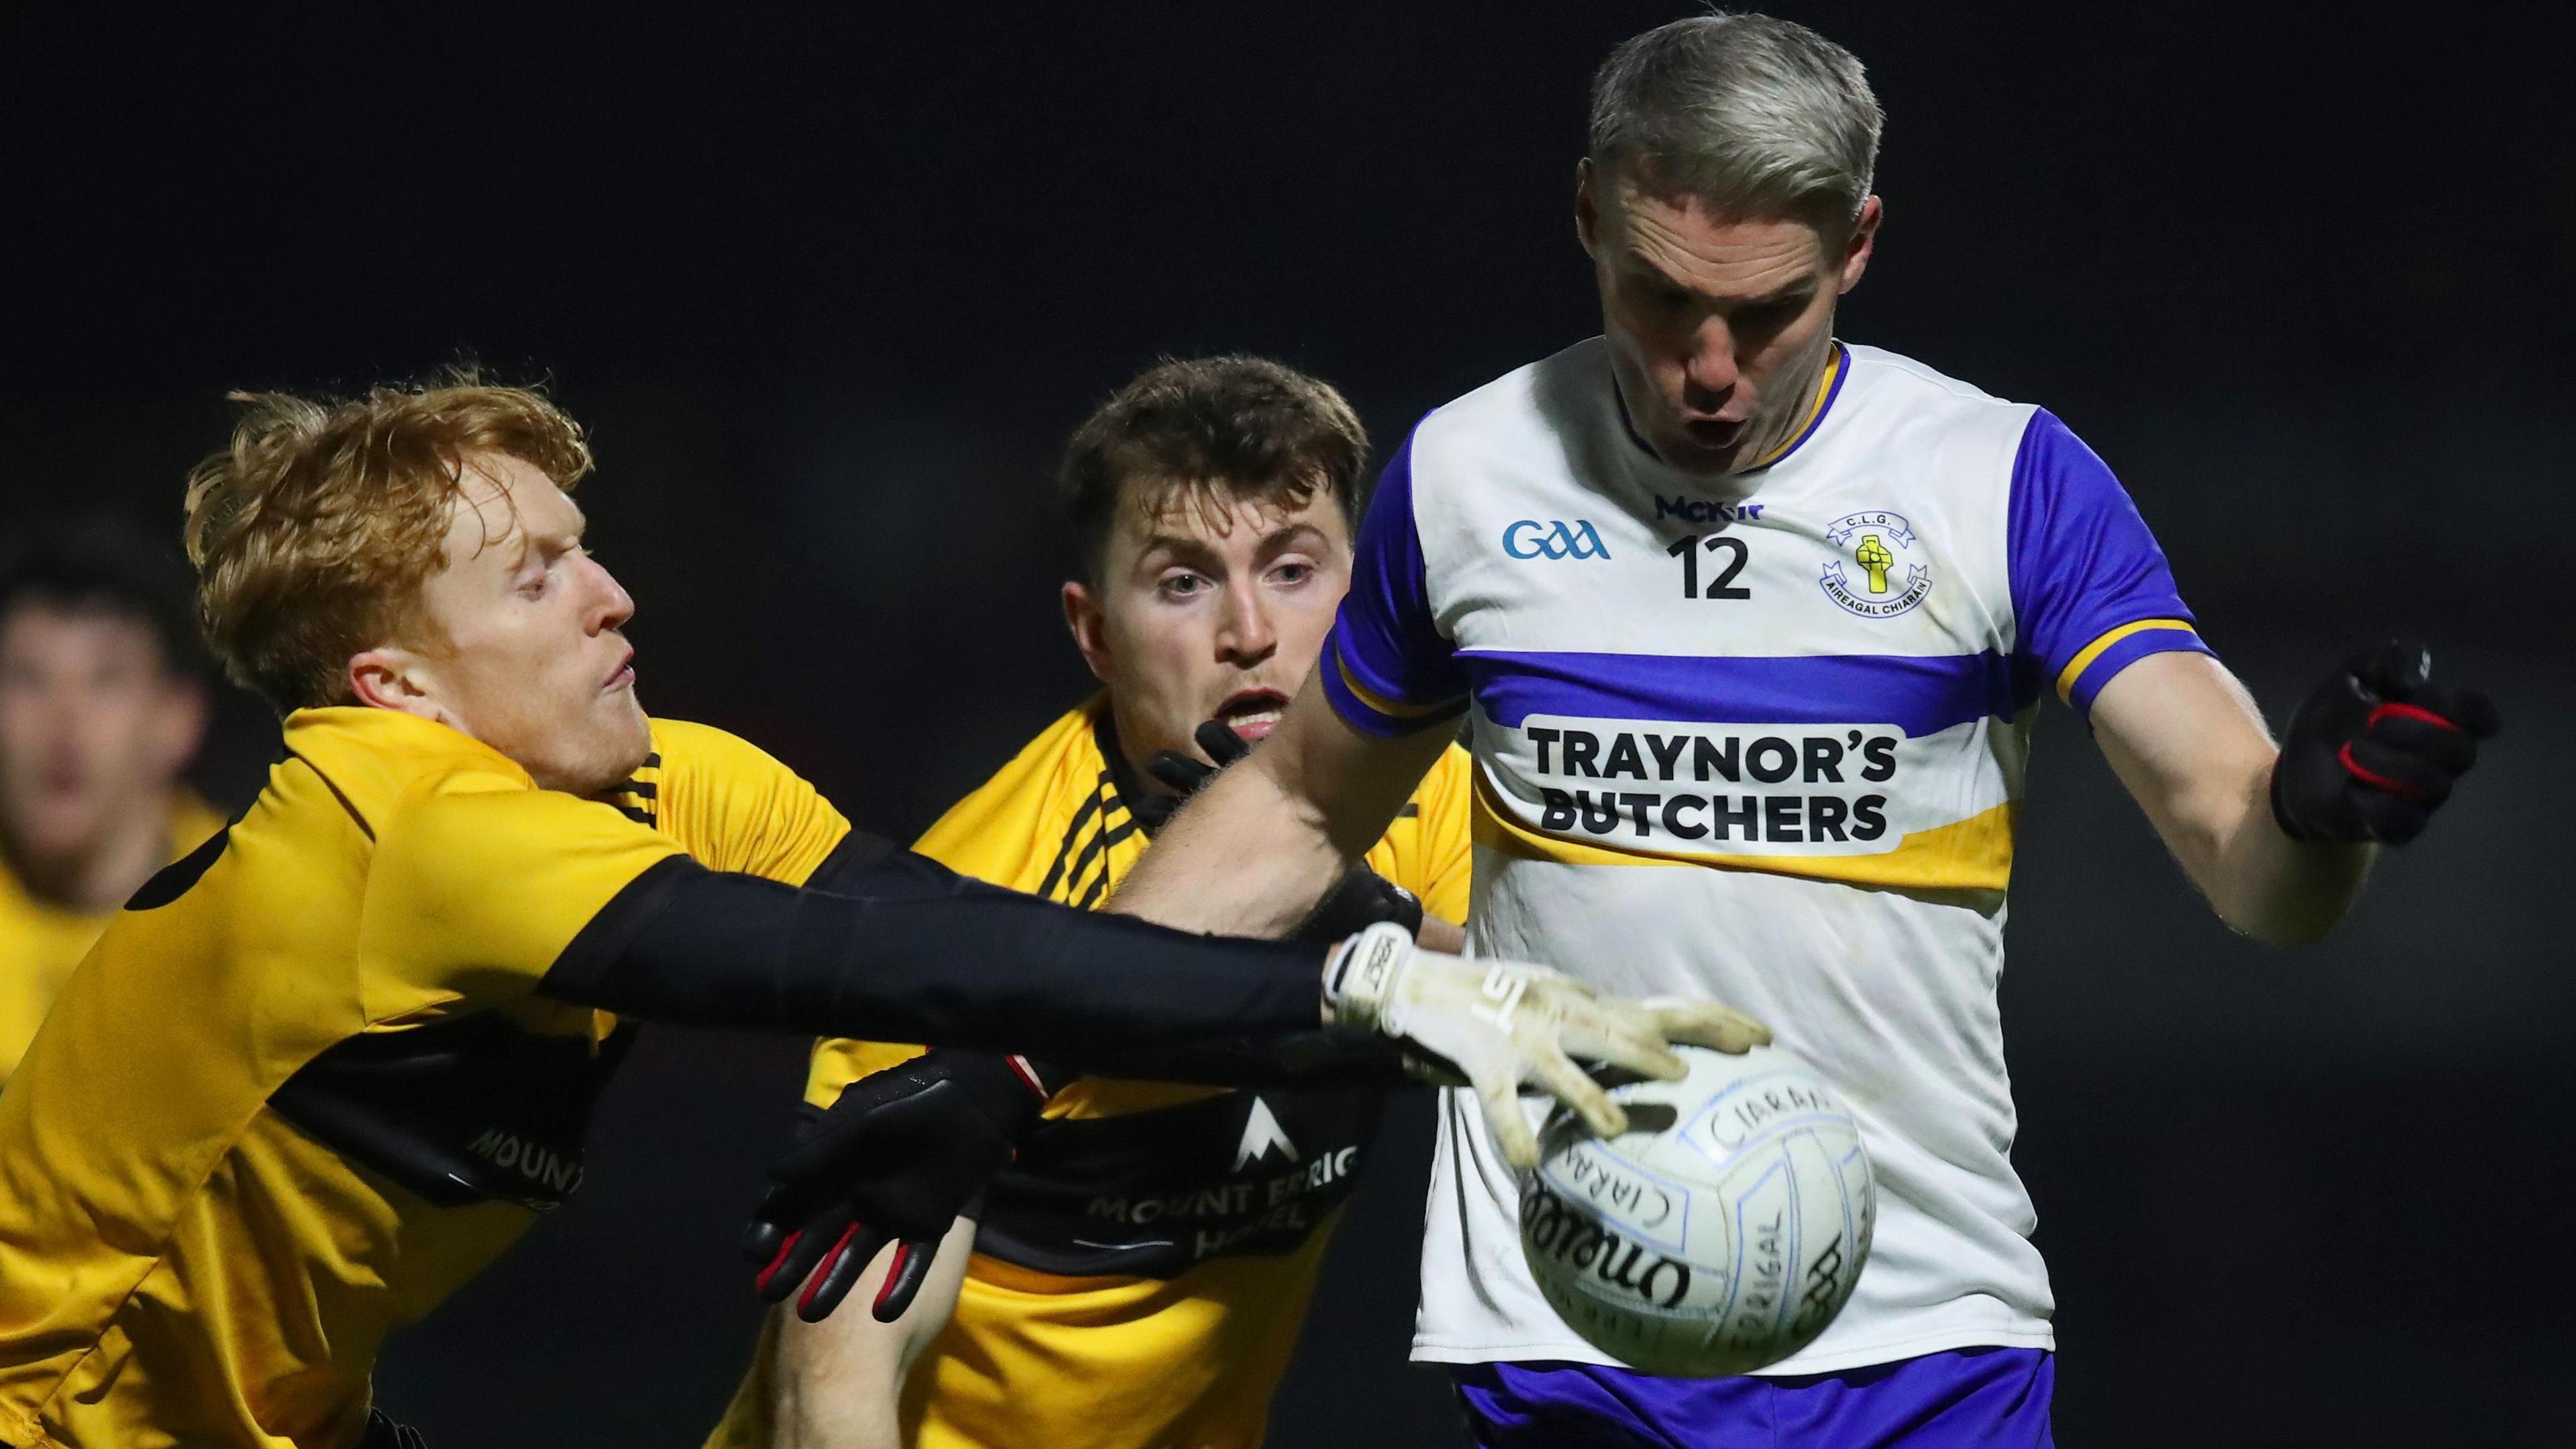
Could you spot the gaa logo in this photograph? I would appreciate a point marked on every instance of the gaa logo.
(1529, 538)
(1882, 571)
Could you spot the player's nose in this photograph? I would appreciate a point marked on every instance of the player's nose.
(1246, 634)
(1709, 371)
(612, 606)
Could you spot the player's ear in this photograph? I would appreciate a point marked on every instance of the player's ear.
(1587, 211)
(1083, 616)
(1864, 238)
(392, 679)
(180, 723)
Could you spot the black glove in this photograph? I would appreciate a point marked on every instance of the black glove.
(1187, 774)
(1359, 900)
(2376, 749)
(898, 1157)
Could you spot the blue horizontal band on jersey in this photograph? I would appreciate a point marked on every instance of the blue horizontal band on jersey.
(1921, 695)
(1367, 707)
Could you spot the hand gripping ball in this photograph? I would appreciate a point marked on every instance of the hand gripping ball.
(1721, 1233)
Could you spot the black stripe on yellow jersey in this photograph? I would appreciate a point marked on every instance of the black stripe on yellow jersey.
(637, 798)
(1084, 849)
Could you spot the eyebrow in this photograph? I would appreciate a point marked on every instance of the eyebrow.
(1289, 530)
(1191, 543)
(569, 538)
(1798, 290)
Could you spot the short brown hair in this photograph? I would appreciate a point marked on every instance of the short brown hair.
(102, 567)
(313, 532)
(1212, 428)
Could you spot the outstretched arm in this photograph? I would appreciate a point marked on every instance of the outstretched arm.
(902, 949)
(2280, 840)
(939, 959)
(485, 888)
(2185, 738)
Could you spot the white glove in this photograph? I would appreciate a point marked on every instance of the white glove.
(1501, 1025)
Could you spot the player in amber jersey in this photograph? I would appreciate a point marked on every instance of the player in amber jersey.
(316, 1073)
(1141, 1269)
(99, 711)
(285, 1197)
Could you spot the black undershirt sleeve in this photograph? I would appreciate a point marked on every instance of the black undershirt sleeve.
(875, 867)
(886, 945)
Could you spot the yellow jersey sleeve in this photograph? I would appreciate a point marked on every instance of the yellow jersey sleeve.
(998, 835)
(1447, 798)
(1428, 850)
(478, 884)
(733, 806)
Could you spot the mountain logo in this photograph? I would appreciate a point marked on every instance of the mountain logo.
(1261, 1133)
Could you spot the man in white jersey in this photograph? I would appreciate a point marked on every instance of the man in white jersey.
(1750, 627)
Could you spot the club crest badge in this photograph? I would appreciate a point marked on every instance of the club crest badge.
(1884, 569)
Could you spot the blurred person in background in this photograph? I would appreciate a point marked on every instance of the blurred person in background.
(1139, 1273)
(101, 707)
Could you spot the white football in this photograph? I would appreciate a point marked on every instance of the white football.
(1720, 1233)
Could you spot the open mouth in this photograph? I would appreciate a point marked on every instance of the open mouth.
(1713, 432)
(625, 675)
(1253, 712)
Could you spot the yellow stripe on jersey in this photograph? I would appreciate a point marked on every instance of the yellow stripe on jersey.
(1834, 363)
(1972, 854)
(2084, 658)
(1392, 708)
(178, 1262)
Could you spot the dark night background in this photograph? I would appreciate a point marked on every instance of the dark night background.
(829, 287)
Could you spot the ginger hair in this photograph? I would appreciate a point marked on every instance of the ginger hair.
(312, 533)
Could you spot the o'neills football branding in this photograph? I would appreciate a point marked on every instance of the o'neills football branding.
(1555, 1228)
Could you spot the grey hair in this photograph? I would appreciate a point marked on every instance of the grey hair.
(1756, 116)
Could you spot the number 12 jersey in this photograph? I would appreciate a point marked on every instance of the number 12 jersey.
(1757, 738)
